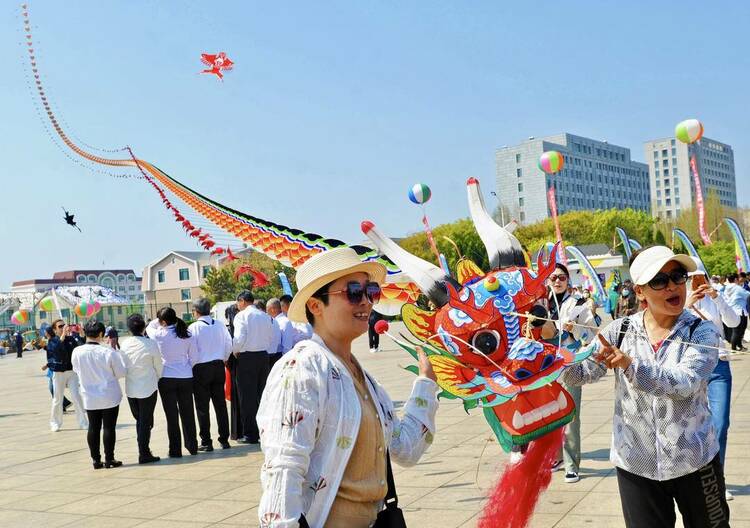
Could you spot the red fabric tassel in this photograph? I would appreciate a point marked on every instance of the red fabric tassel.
(512, 502)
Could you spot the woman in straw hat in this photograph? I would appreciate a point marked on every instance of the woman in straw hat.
(327, 427)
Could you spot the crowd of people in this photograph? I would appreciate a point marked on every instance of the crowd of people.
(183, 366)
(296, 385)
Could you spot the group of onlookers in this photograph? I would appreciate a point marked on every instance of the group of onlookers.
(184, 364)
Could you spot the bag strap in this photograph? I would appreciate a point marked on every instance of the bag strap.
(623, 330)
(391, 499)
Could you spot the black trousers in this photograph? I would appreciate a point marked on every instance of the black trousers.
(143, 412)
(699, 495)
(252, 372)
(737, 333)
(272, 359)
(208, 387)
(106, 418)
(373, 337)
(177, 401)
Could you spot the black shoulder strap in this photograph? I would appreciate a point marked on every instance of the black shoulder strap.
(623, 330)
(693, 327)
(391, 499)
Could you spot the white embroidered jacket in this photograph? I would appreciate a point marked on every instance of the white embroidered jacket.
(309, 418)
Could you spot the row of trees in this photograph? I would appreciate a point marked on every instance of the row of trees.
(578, 228)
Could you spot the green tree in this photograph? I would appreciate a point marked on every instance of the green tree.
(221, 284)
(718, 257)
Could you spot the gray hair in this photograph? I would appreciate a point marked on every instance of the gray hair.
(273, 303)
(202, 306)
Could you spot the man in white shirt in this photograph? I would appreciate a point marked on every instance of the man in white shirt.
(214, 347)
(302, 331)
(253, 336)
(284, 336)
(737, 298)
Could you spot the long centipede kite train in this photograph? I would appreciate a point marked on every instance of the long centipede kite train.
(480, 339)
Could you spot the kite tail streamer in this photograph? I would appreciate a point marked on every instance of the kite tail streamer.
(552, 201)
(593, 283)
(514, 498)
(699, 201)
(741, 256)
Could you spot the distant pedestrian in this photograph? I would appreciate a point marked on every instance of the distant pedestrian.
(214, 346)
(113, 338)
(372, 336)
(179, 354)
(144, 370)
(60, 345)
(99, 367)
(18, 341)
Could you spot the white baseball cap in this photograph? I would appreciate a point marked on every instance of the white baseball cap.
(649, 261)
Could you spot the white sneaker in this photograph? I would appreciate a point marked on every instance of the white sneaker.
(728, 495)
(54, 428)
(373, 350)
(571, 477)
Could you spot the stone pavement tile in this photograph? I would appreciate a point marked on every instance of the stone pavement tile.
(54, 483)
(151, 507)
(464, 498)
(9, 481)
(94, 505)
(45, 501)
(598, 502)
(432, 479)
(239, 491)
(97, 521)
(409, 494)
(595, 521)
(238, 474)
(203, 489)
(247, 517)
(162, 523)
(553, 501)
(13, 496)
(585, 484)
(210, 511)
(429, 518)
(27, 519)
(545, 520)
(145, 487)
(195, 472)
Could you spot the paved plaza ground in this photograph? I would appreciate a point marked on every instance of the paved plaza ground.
(46, 478)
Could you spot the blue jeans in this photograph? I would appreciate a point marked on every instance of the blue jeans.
(719, 396)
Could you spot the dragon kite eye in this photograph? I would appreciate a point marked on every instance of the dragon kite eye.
(486, 341)
(547, 361)
(522, 373)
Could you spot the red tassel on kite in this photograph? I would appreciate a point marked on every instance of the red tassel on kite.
(196, 233)
(218, 251)
(209, 244)
(230, 255)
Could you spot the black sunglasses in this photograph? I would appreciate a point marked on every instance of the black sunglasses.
(661, 279)
(356, 290)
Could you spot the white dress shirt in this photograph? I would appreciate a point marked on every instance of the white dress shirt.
(275, 346)
(178, 355)
(144, 364)
(736, 297)
(253, 331)
(98, 368)
(288, 334)
(212, 339)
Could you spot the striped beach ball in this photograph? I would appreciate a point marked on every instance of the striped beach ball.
(551, 162)
(420, 193)
(689, 131)
(86, 308)
(20, 317)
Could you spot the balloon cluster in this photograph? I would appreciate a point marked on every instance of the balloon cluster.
(87, 308)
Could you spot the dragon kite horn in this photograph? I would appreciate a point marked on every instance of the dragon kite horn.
(503, 249)
(430, 279)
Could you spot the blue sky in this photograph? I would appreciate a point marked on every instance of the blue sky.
(335, 109)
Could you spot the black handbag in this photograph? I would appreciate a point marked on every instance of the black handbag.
(391, 516)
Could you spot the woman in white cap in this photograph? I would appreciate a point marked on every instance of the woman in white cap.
(327, 428)
(663, 441)
(708, 304)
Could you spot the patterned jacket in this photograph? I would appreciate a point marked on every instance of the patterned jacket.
(661, 427)
(309, 419)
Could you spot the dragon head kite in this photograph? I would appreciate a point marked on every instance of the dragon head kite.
(482, 337)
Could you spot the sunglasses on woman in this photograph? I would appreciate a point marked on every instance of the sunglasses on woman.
(661, 279)
(356, 290)
(561, 278)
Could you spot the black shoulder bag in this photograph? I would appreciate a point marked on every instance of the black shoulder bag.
(391, 516)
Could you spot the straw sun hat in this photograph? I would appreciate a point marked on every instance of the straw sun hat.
(324, 268)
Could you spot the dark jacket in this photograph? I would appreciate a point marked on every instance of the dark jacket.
(59, 353)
